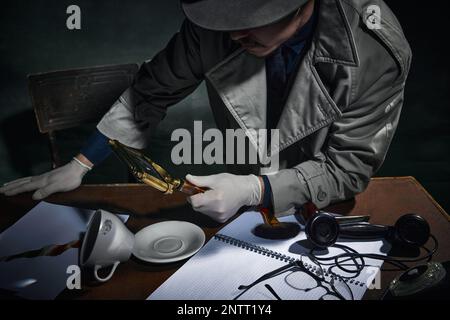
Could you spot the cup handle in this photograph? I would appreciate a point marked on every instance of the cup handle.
(97, 267)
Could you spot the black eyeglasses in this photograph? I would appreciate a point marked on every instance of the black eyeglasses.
(335, 288)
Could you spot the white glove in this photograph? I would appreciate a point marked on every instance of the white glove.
(65, 178)
(228, 193)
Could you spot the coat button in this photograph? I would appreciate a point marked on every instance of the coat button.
(321, 195)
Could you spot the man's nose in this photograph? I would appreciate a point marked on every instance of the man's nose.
(240, 34)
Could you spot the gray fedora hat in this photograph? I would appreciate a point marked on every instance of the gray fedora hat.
(230, 15)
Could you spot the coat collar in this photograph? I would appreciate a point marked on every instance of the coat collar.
(240, 81)
(333, 36)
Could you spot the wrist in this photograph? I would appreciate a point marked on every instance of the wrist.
(256, 190)
(95, 150)
(82, 166)
(84, 161)
(262, 190)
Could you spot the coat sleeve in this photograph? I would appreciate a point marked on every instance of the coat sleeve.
(170, 76)
(356, 147)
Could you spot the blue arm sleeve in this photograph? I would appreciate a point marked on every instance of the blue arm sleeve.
(267, 199)
(96, 148)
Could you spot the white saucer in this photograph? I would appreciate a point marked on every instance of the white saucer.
(168, 241)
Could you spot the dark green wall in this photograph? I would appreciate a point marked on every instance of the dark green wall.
(33, 38)
(421, 147)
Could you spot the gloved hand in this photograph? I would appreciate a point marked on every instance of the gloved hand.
(227, 193)
(65, 178)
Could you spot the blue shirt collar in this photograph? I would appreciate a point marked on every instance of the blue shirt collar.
(296, 42)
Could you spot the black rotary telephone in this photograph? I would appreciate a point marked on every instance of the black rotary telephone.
(323, 230)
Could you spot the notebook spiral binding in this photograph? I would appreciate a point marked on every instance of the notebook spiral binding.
(276, 255)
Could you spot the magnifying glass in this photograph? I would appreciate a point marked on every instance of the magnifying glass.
(149, 172)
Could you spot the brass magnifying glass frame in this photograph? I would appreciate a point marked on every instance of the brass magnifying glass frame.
(149, 172)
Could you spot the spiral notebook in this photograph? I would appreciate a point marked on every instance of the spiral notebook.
(235, 257)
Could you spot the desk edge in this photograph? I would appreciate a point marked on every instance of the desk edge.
(411, 178)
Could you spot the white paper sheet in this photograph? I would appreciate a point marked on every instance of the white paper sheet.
(46, 224)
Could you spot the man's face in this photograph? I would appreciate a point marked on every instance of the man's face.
(264, 40)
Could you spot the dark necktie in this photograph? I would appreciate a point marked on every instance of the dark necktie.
(276, 86)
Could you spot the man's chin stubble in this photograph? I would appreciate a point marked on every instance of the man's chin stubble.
(260, 54)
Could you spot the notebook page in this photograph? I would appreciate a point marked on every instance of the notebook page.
(216, 272)
(219, 268)
(242, 229)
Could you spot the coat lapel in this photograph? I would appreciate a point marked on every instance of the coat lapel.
(240, 81)
(308, 107)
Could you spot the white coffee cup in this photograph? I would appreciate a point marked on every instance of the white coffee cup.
(107, 242)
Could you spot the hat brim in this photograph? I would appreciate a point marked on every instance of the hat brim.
(232, 15)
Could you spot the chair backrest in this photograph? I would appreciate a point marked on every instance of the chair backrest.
(68, 98)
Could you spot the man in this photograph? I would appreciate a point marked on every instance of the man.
(329, 74)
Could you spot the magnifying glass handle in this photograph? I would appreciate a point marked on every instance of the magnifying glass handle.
(190, 189)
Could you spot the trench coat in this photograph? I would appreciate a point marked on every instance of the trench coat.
(339, 118)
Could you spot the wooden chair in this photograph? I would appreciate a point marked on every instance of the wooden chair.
(68, 98)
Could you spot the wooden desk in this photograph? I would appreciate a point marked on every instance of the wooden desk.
(384, 200)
